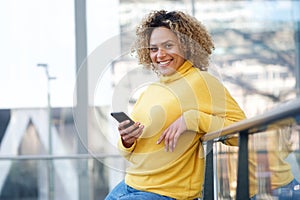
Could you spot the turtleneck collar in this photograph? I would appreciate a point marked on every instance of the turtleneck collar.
(181, 72)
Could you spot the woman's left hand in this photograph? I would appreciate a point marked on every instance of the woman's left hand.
(172, 133)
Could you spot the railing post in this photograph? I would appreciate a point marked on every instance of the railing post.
(242, 192)
(209, 172)
(81, 107)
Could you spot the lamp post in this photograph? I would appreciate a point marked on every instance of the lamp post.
(50, 162)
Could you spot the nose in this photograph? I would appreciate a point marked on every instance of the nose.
(161, 52)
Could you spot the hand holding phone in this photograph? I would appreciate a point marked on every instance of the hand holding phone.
(127, 141)
(121, 116)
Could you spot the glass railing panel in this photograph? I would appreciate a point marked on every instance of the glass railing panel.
(226, 170)
(30, 177)
(274, 154)
(274, 161)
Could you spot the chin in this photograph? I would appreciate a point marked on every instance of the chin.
(166, 72)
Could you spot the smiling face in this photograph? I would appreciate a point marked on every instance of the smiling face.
(165, 51)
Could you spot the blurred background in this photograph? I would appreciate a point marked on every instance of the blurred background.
(65, 65)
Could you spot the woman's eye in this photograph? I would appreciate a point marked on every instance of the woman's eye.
(169, 46)
(153, 49)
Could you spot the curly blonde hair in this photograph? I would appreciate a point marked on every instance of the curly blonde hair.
(193, 37)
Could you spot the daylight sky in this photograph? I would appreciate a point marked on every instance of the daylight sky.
(43, 31)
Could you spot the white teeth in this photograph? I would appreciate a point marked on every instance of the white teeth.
(163, 63)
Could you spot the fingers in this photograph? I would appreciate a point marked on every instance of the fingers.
(133, 134)
(170, 143)
(122, 125)
(161, 138)
(125, 131)
(169, 135)
(170, 140)
(130, 134)
(172, 133)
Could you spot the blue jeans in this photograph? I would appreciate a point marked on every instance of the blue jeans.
(290, 191)
(125, 192)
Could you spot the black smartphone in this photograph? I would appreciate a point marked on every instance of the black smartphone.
(121, 116)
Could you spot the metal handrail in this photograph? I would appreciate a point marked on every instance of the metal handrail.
(283, 111)
(59, 157)
(281, 115)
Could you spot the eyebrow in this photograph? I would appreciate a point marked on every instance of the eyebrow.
(172, 41)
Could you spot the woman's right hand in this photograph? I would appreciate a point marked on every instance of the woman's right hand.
(130, 134)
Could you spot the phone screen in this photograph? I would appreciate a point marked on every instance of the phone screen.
(121, 116)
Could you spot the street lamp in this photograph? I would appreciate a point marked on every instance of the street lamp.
(50, 162)
(49, 78)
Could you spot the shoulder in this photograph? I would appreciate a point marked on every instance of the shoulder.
(204, 77)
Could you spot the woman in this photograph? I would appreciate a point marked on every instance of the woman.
(171, 115)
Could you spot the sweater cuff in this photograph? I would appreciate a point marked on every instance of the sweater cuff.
(123, 149)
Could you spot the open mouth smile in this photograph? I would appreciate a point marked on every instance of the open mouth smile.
(164, 63)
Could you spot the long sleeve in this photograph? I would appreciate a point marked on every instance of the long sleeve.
(125, 152)
(202, 122)
(216, 107)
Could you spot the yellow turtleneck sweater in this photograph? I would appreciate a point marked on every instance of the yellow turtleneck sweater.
(206, 106)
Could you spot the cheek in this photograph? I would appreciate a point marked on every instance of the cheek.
(152, 57)
(180, 53)
(178, 56)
